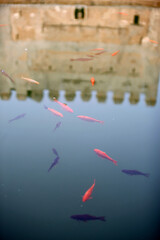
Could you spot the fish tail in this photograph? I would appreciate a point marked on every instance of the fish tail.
(94, 181)
(115, 162)
(50, 168)
(146, 174)
(45, 107)
(54, 99)
(102, 219)
(101, 122)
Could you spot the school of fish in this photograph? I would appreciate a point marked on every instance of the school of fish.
(88, 193)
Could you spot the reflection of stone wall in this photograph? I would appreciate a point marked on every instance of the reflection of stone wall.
(59, 24)
(134, 69)
(81, 83)
(149, 3)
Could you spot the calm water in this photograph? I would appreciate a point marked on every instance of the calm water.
(37, 204)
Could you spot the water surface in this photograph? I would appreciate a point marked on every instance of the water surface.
(37, 204)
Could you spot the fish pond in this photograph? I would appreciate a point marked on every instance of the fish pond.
(96, 141)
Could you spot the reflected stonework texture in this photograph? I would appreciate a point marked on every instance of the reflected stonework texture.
(39, 42)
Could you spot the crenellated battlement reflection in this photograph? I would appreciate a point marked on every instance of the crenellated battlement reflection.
(26, 90)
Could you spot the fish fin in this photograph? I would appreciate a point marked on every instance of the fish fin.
(115, 162)
(146, 174)
(101, 122)
(102, 219)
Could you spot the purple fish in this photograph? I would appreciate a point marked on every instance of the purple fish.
(6, 75)
(54, 163)
(87, 217)
(57, 126)
(99, 53)
(16, 118)
(135, 172)
(55, 152)
(81, 59)
(90, 56)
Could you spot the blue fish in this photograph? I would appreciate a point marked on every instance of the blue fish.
(135, 172)
(6, 75)
(54, 163)
(57, 126)
(55, 152)
(16, 118)
(87, 217)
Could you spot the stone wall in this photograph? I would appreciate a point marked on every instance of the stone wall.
(149, 3)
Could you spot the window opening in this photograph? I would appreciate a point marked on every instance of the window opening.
(136, 19)
(79, 13)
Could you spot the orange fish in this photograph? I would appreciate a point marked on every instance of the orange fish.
(153, 41)
(115, 53)
(54, 111)
(30, 80)
(104, 155)
(122, 13)
(63, 105)
(97, 49)
(92, 81)
(88, 193)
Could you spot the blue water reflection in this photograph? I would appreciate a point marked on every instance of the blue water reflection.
(37, 204)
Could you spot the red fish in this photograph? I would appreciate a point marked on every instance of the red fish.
(89, 119)
(99, 53)
(104, 155)
(54, 111)
(122, 13)
(153, 41)
(92, 81)
(63, 105)
(115, 53)
(88, 193)
(90, 56)
(3, 25)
